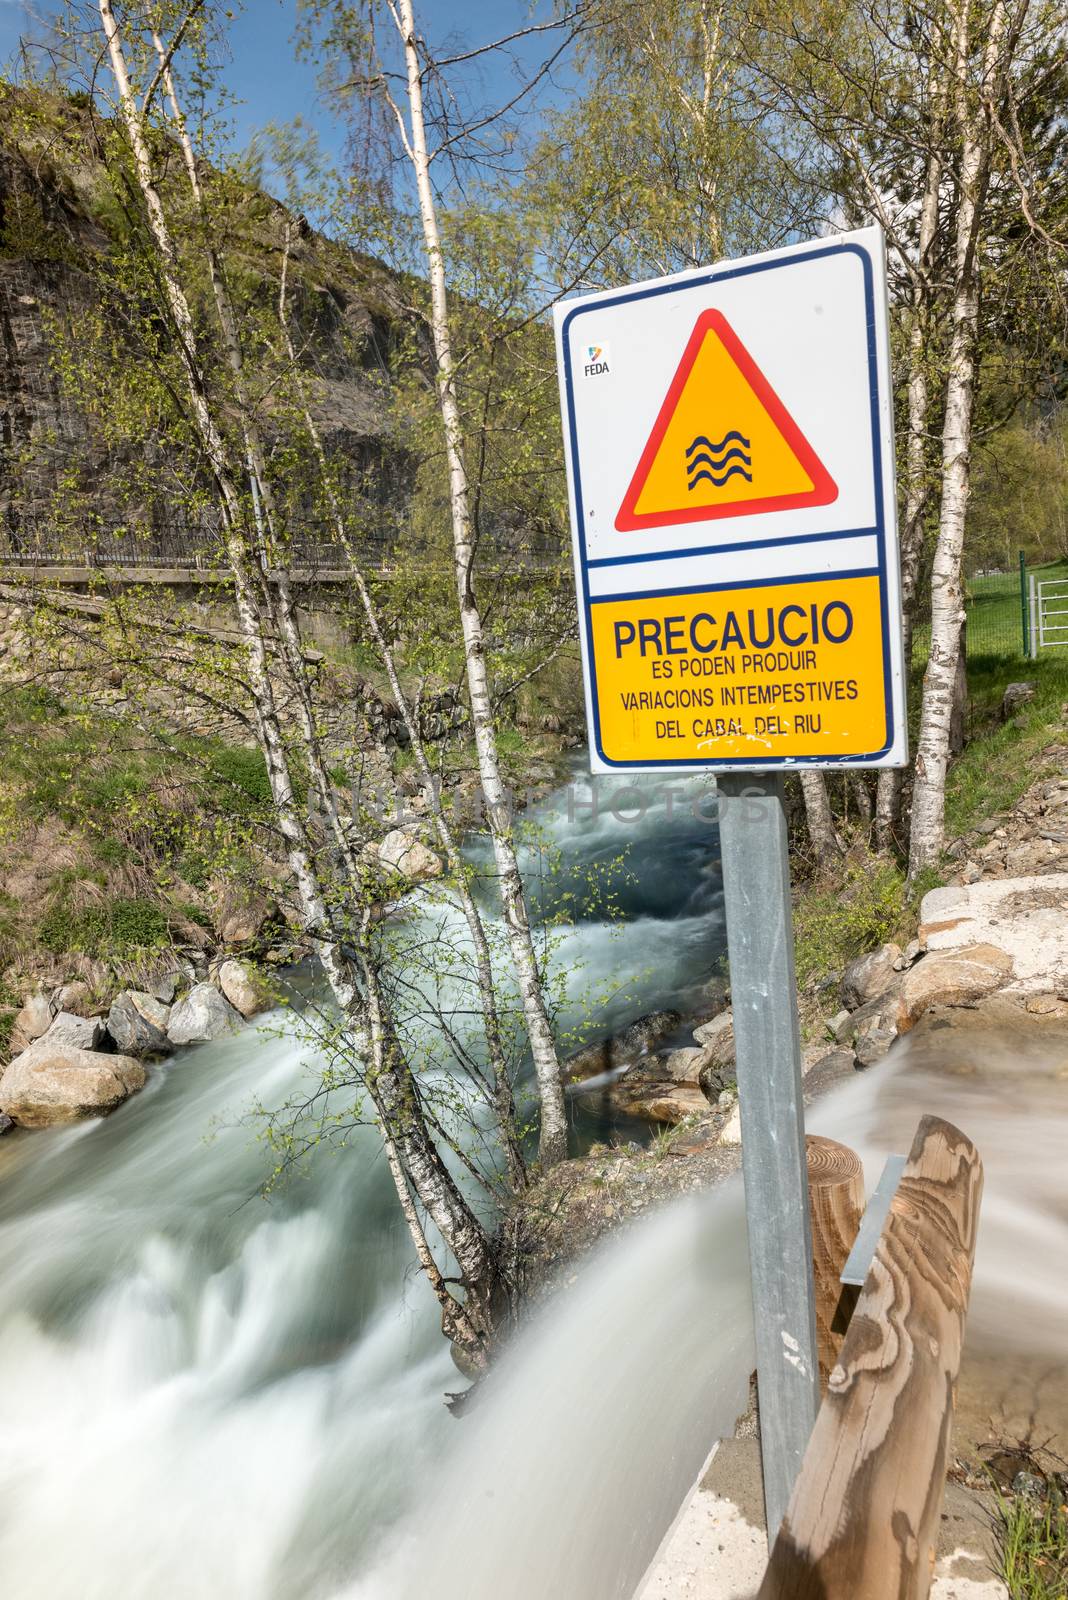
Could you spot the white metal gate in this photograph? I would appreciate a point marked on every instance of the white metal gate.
(1049, 612)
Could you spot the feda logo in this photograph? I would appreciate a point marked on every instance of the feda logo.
(596, 360)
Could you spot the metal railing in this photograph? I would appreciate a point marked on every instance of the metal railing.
(1048, 612)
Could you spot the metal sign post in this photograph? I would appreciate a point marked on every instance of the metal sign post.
(760, 944)
(729, 442)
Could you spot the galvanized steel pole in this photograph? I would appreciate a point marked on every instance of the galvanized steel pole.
(760, 945)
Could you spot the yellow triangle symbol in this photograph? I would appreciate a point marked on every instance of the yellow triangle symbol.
(723, 443)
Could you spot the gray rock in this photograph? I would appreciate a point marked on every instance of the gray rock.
(200, 1015)
(868, 975)
(164, 989)
(83, 1033)
(6, 1124)
(138, 1023)
(74, 997)
(244, 988)
(719, 1032)
(684, 1066)
(52, 1083)
(837, 1066)
(631, 1043)
(1015, 696)
(403, 854)
(872, 1028)
(32, 1021)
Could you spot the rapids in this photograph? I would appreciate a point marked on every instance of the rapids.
(208, 1394)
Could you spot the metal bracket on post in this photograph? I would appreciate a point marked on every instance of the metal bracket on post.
(872, 1223)
(760, 947)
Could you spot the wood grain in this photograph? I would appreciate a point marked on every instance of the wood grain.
(863, 1518)
(836, 1205)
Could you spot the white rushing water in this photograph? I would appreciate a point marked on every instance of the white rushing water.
(207, 1394)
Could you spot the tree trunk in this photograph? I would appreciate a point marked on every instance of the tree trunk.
(917, 495)
(504, 1103)
(947, 608)
(553, 1135)
(413, 1157)
(821, 830)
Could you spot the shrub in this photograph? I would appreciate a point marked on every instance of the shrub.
(862, 911)
(112, 928)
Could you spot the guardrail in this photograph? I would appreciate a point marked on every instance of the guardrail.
(863, 1517)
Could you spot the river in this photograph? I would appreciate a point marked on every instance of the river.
(208, 1393)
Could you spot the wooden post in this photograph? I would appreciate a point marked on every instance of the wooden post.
(863, 1517)
(836, 1201)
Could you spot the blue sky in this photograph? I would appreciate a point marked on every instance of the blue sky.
(275, 87)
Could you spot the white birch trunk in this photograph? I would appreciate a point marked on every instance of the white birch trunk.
(412, 1153)
(553, 1135)
(927, 836)
(821, 830)
(504, 1103)
(917, 493)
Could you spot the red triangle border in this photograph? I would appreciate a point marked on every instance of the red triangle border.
(823, 491)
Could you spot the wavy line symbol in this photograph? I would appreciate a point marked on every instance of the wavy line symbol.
(707, 460)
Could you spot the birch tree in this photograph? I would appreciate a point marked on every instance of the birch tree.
(974, 102)
(427, 1191)
(411, 121)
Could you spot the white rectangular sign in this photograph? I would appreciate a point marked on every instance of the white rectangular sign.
(730, 460)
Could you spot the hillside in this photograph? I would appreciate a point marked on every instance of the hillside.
(61, 227)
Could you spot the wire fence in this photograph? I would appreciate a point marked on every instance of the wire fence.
(1009, 615)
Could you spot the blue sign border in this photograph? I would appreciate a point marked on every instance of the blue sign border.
(760, 763)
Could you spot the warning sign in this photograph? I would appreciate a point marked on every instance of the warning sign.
(730, 464)
(724, 445)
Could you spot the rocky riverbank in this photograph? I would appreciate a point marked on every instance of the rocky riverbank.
(986, 937)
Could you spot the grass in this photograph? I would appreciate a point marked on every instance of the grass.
(1033, 1546)
(999, 761)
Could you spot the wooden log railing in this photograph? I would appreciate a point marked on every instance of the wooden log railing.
(863, 1518)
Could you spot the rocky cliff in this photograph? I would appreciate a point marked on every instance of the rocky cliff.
(59, 225)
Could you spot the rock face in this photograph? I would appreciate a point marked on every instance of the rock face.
(867, 977)
(84, 1033)
(138, 1023)
(1026, 918)
(52, 1083)
(244, 988)
(403, 854)
(200, 1015)
(956, 978)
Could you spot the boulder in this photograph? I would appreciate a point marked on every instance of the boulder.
(714, 1077)
(1015, 696)
(837, 1066)
(242, 916)
(244, 988)
(6, 1124)
(716, 1038)
(33, 1020)
(620, 1049)
(138, 1023)
(684, 1066)
(867, 976)
(51, 1083)
(200, 1015)
(84, 1033)
(403, 854)
(76, 997)
(956, 978)
(872, 1028)
(731, 1131)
